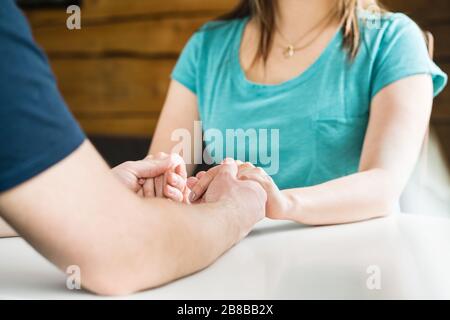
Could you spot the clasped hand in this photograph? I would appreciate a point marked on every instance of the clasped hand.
(164, 176)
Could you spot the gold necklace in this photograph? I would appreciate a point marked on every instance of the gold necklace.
(291, 48)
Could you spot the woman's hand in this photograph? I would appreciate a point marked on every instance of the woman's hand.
(162, 175)
(278, 205)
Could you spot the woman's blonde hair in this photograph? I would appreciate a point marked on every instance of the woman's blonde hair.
(263, 11)
(348, 15)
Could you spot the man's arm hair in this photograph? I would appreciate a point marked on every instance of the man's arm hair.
(77, 213)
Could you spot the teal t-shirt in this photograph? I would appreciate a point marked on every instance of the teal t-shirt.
(315, 123)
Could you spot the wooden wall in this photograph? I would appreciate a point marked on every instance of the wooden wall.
(114, 72)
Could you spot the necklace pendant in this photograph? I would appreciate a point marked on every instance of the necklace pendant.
(289, 51)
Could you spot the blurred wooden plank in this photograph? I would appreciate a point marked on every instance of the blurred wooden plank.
(107, 11)
(113, 85)
(115, 8)
(127, 126)
(153, 37)
(424, 11)
(46, 17)
(140, 37)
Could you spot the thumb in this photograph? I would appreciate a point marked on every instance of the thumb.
(191, 182)
(151, 168)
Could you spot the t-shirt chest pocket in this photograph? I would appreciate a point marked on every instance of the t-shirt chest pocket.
(342, 105)
(331, 108)
(340, 98)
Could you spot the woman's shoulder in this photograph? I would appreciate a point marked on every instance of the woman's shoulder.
(383, 18)
(386, 24)
(206, 50)
(394, 46)
(219, 32)
(382, 30)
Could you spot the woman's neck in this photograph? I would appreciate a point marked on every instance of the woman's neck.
(294, 17)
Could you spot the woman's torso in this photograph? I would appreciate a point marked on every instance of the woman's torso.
(304, 131)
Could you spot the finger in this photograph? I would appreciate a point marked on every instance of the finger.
(149, 188)
(176, 162)
(229, 167)
(252, 176)
(228, 161)
(133, 185)
(250, 168)
(159, 186)
(186, 194)
(175, 181)
(202, 184)
(173, 193)
(200, 174)
(249, 164)
(245, 167)
(263, 179)
(181, 171)
(161, 155)
(191, 182)
(156, 166)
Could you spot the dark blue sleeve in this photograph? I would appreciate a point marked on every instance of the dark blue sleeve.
(36, 128)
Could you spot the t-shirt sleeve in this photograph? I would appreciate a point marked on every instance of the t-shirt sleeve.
(186, 68)
(36, 128)
(403, 53)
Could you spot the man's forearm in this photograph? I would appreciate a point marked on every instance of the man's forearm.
(122, 243)
(5, 230)
(190, 238)
(161, 241)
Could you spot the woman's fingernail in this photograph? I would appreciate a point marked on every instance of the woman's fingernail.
(192, 196)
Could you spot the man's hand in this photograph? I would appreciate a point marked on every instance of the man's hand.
(160, 176)
(246, 199)
(278, 204)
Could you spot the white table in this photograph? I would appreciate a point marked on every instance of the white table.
(282, 260)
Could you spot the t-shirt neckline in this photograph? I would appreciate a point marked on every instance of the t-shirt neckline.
(302, 77)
